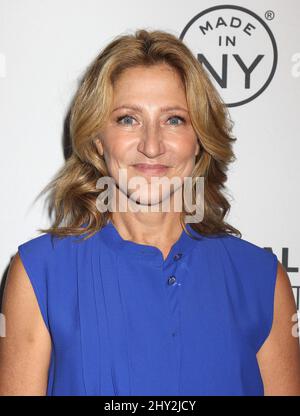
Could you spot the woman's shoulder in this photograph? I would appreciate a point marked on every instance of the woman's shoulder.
(50, 242)
(241, 256)
(45, 242)
(243, 249)
(244, 256)
(54, 250)
(46, 259)
(47, 246)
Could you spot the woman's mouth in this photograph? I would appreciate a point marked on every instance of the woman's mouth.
(151, 169)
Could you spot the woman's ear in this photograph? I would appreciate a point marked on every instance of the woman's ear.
(98, 144)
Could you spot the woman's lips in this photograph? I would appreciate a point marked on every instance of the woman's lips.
(150, 169)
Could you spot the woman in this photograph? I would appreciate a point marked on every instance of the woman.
(140, 301)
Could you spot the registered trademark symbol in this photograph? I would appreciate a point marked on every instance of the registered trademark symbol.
(269, 15)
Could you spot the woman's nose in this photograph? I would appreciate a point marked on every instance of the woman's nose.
(151, 142)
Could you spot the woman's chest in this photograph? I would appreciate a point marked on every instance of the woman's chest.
(151, 330)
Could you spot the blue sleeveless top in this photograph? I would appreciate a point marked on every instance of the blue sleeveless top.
(124, 321)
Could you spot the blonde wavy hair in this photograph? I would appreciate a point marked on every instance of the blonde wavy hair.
(72, 192)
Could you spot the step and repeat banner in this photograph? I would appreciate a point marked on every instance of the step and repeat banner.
(251, 50)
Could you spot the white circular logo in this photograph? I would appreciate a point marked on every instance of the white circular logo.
(237, 48)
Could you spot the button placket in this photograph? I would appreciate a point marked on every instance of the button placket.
(172, 278)
(173, 296)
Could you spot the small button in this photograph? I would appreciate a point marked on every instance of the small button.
(171, 280)
(173, 334)
(177, 256)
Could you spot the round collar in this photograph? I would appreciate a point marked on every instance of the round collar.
(180, 249)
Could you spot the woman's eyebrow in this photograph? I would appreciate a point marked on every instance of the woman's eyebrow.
(140, 109)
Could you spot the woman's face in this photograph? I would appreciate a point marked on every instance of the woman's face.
(149, 124)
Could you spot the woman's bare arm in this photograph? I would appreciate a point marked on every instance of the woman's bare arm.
(25, 350)
(279, 356)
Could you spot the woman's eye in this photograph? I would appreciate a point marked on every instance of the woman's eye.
(126, 117)
(177, 117)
